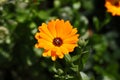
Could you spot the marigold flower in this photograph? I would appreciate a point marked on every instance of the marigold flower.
(113, 6)
(57, 38)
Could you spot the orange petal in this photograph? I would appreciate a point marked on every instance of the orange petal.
(115, 10)
(66, 29)
(64, 50)
(51, 27)
(44, 29)
(70, 47)
(53, 55)
(38, 46)
(59, 52)
(45, 44)
(61, 56)
(59, 28)
(44, 36)
(53, 58)
(72, 33)
(71, 40)
(46, 53)
(37, 35)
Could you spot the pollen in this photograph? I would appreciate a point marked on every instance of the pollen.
(57, 42)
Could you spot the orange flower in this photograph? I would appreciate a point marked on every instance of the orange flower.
(56, 38)
(113, 6)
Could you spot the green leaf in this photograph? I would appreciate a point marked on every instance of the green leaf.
(43, 15)
(80, 66)
(57, 3)
(107, 20)
(29, 62)
(85, 56)
(4, 54)
(38, 52)
(84, 76)
(21, 18)
(74, 68)
(76, 5)
(75, 58)
(96, 23)
(67, 57)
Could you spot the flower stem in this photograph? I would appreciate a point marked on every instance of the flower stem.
(79, 76)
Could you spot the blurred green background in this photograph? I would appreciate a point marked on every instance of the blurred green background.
(19, 21)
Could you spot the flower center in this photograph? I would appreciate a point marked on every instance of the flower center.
(116, 2)
(57, 41)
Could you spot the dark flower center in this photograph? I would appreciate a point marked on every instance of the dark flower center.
(57, 41)
(116, 3)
